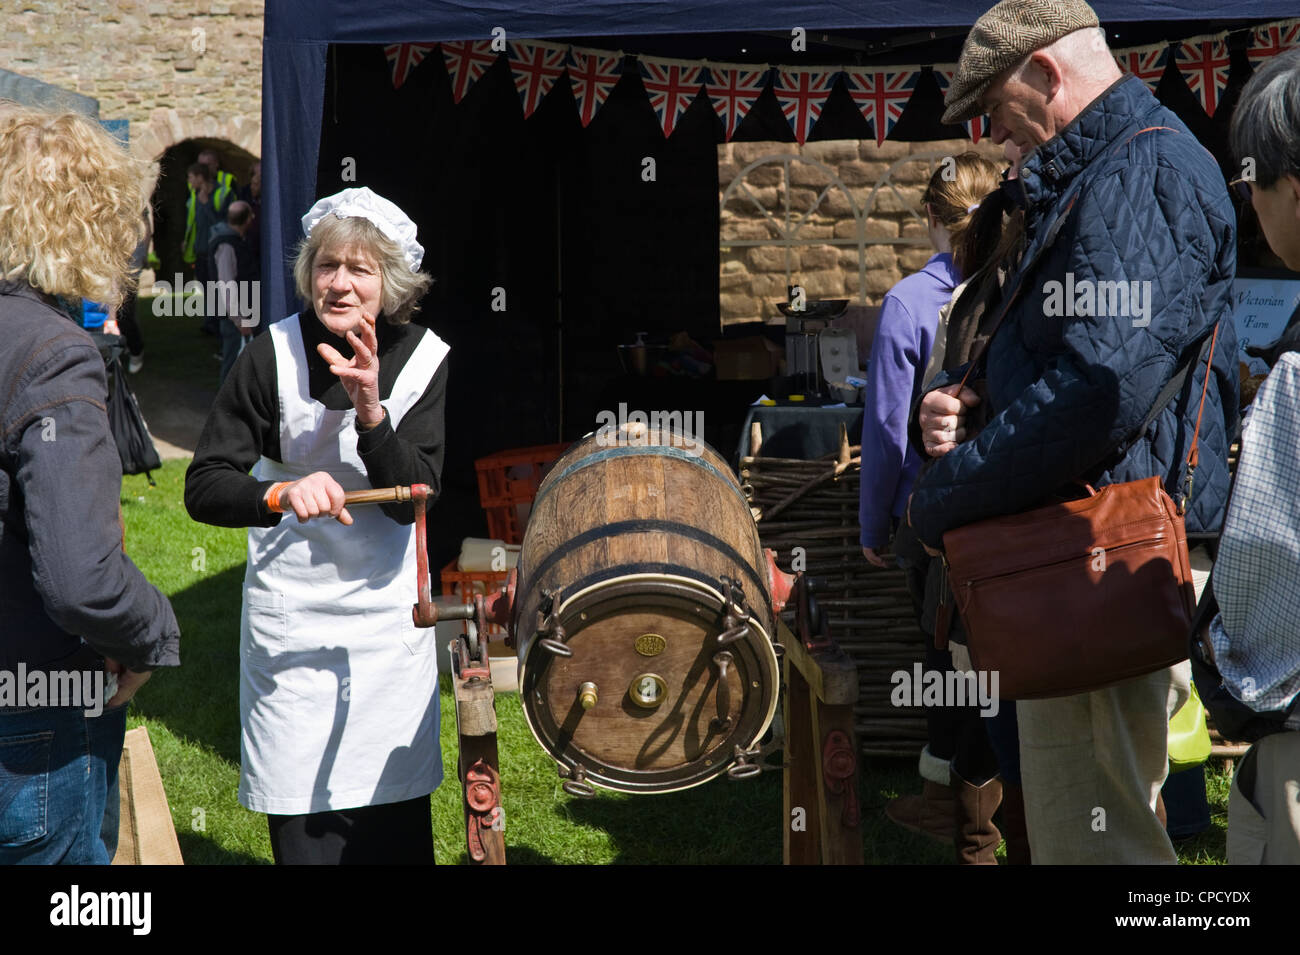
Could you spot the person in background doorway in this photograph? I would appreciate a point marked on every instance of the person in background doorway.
(124, 316)
(211, 191)
(252, 194)
(235, 270)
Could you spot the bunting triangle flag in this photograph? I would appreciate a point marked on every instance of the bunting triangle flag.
(1147, 63)
(672, 86)
(467, 60)
(733, 90)
(882, 95)
(802, 94)
(593, 74)
(536, 67)
(1272, 39)
(404, 57)
(1204, 63)
(976, 128)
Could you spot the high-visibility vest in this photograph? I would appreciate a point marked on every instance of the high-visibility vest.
(225, 188)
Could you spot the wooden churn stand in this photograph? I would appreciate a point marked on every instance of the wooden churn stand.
(821, 687)
(476, 720)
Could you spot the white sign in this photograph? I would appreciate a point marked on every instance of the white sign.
(1260, 309)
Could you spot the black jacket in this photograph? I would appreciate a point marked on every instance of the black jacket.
(63, 574)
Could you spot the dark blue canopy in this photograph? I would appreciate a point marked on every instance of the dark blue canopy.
(298, 34)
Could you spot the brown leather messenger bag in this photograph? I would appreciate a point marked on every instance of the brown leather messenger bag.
(1080, 595)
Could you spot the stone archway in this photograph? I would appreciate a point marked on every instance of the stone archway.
(171, 192)
(169, 142)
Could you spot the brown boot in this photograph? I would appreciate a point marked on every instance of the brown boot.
(931, 813)
(976, 837)
(1013, 825)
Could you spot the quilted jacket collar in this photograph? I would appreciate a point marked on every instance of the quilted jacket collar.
(1051, 168)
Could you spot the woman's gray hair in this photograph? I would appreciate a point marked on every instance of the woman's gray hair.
(1266, 124)
(402, 289)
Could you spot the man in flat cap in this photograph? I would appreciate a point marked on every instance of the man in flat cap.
(1115, 189)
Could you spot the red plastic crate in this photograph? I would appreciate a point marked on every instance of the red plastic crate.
(490, 581)
(507, 484)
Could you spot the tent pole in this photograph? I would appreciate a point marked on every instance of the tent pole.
(559, 304)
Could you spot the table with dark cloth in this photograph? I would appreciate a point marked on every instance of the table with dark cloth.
(800, 431)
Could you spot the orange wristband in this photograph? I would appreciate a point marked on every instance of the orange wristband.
(272, 498)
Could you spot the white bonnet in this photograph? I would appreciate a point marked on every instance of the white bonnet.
(364, 204)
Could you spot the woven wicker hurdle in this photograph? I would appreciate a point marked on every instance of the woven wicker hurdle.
(813, 505)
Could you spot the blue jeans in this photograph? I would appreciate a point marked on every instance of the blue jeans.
(58, 768)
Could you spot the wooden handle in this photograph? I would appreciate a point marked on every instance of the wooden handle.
(382, 495)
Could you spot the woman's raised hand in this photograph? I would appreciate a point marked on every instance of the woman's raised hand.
(359, 374)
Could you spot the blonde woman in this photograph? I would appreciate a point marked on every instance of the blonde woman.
(902, 346)
(904, 341)
(72, 605)
(338, 689)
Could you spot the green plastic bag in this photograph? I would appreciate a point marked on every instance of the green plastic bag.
(1189, 737)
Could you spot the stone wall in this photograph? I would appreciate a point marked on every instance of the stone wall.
(883, 182)
(176, 69)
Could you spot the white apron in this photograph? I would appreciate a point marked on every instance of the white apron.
(338, 689)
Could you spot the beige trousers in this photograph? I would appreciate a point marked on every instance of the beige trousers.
(1264, 827)
(1092, 766)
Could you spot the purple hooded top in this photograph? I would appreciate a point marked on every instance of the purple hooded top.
(908, 317)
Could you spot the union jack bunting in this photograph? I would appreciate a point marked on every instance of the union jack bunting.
(802, 94)
(881, 95)
(1272, 39)
(466, 62)
(1204, 64)
(593, 74)
(733, 90)
(1147, 63)
(672, 86)
(536, 67)
(976, 128)
(404, 57)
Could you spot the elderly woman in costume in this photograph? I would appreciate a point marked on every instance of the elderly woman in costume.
(338, 688)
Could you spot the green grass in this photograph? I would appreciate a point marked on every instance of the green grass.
(193, 719)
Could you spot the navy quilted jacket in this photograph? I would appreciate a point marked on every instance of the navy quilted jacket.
(1069, 380)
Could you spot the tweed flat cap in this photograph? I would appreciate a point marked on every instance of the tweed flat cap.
(1004, 35)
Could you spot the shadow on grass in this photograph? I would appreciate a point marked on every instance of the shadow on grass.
(199, 700)
(198, 849)
(719, 823)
